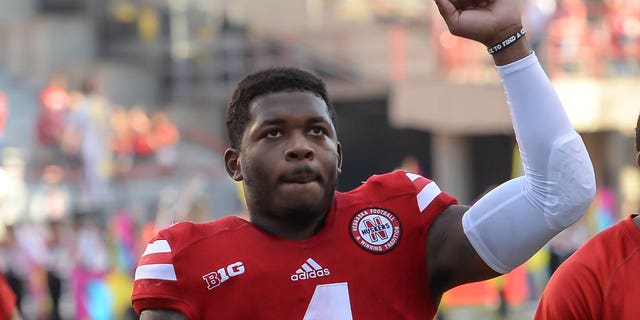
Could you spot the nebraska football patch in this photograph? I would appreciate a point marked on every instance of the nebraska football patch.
(376, 230)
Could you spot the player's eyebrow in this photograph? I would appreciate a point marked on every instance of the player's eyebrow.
(268, 122)
(278, 121)
(317, 120)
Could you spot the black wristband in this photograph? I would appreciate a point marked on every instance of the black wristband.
(507, 42)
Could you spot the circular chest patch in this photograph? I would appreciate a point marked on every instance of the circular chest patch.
(376, 230)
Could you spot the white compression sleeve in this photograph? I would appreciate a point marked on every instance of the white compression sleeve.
(513, 221)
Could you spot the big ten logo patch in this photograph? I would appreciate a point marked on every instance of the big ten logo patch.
(216, 278)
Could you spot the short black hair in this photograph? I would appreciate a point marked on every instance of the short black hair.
(264, 82)
(638, 134)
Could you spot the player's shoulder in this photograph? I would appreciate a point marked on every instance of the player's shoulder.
(603, 253)
(395, 183)
(381, 188)
(395, 177)
(182, 234)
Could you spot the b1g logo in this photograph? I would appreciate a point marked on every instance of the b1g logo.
(376, 230)
(216, 278)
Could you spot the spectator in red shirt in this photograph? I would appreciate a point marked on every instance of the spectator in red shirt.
(165, 137)
(54, 99)
(141, 133)
(121, 141)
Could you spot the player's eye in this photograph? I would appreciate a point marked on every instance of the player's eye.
(274, 133)
(317, 131)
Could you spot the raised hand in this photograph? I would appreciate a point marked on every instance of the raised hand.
(485, 21)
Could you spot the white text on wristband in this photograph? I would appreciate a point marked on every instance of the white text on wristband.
(506, 42)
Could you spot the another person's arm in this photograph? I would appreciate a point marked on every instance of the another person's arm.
(512, 222)
(15, 315)
(157, 314)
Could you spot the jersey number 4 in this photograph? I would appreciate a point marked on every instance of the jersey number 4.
(330, 301)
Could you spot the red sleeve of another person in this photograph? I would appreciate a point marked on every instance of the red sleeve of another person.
(574, 291)
(7, 299)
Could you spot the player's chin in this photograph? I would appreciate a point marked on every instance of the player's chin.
(303, 209)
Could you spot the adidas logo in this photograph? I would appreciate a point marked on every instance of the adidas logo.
(309, 270)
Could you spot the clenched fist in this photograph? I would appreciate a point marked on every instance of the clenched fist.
(485, 21)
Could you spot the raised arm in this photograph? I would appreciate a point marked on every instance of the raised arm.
(509, 224)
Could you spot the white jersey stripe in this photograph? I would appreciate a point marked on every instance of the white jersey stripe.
(412, 176)
(427, 194)
(314, 264)
(158, 246)
(156, 271)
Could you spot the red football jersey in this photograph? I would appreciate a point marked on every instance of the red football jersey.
(599, 281)
(367, 262)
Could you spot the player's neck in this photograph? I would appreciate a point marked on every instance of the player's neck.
(636, 220)
(289, 229)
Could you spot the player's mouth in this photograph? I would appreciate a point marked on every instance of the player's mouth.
(300, 175)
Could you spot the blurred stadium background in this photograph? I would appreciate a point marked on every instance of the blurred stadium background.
(112, 124)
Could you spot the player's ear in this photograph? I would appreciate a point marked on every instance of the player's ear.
(339, 158)
(232, 163)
